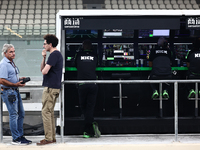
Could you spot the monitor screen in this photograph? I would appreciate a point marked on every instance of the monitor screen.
(71, 49)
(145, 33)
(149, 33)
(187, 33)
(118, 51)
(181, 50)
(81, 34)
(164, 33)
(118, 33)
(144, 49)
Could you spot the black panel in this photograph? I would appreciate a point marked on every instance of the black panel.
(142, 112)
(121, 22)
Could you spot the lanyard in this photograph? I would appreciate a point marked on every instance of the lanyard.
(16, 69)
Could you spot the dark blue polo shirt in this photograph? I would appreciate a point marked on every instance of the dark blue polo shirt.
(53, 78)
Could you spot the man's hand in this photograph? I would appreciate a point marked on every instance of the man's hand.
(44, 53)
(22, 78)
(19, 84)
(8, 83)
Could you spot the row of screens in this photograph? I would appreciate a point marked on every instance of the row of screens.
(125, 33)
(126, 51)
(123, 54)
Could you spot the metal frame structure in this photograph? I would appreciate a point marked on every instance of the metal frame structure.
(60, 33)
(133, 82)
(120, 82)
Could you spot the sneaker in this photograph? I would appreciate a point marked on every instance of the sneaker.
(97, 133)
(44, 142)
(191, 94)
(155, 94)
(24, 139)
(165, 94)
(16, 142)
(19, 141)
(85, 135)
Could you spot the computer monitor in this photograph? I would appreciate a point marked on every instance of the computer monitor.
(163, 33)
(181, 50)
(71, 49)
(118, 33)
(150, 33)
(85, 34)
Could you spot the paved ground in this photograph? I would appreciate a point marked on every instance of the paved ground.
(114, 142)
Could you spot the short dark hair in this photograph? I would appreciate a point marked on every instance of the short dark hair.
(87, 44)
(50, 38)
(162, 42)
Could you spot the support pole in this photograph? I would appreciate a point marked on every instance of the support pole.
(160, 91)
(120, 100)
(62, 114)
(176, 110)
(196, 100)
(1, 121)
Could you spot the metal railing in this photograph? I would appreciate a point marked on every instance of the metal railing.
(175, 82)
(120, 82)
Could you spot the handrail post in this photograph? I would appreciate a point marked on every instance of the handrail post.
(160, 97)
(1, 121)
(176, 110)
(196, 99)
(62, 114)
(120, 100)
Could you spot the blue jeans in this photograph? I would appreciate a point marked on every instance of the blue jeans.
(16, 112)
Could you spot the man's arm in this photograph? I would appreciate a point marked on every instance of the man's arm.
(188, 64)
(46, 69)
(8, 83)
(43, 60)
(151, 57)
(42, 64)
(150, 64)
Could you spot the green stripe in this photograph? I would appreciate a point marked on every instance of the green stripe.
(110, 58)
(124, 68)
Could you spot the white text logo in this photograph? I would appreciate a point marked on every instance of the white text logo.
(72, 23)
(87, 58)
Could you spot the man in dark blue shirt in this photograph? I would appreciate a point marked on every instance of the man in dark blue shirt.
(160, 60)
(86, 62)
(52, 74)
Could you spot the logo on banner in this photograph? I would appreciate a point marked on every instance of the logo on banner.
(72, 23)
(193, 22)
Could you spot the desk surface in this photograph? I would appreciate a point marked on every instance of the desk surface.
(124, 68)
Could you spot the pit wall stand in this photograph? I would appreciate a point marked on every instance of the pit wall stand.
(160, 99)
(196, 100)
(120, 99)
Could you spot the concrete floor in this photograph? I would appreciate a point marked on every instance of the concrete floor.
(122, 141)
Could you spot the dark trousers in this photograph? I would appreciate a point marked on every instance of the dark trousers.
(155, 86)
(192, 85)
(87, 100)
